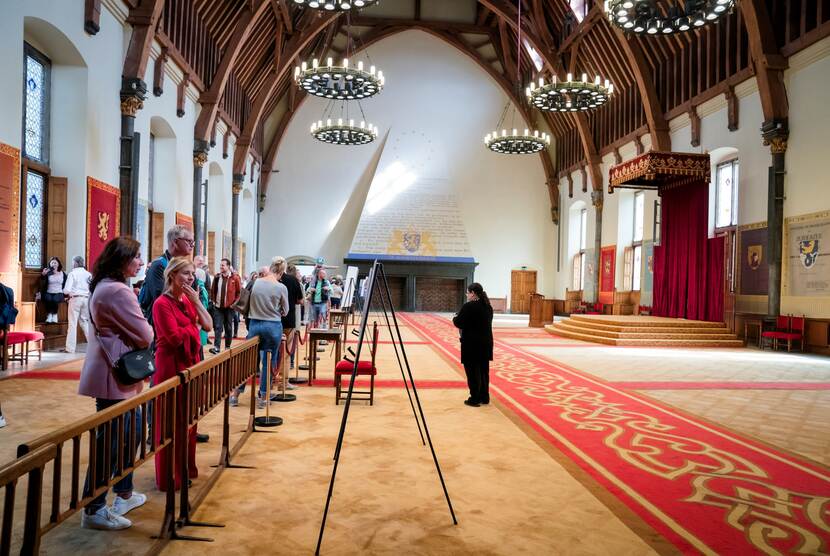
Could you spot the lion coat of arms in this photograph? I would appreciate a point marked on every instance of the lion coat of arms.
(412, 241)
(808, 252)
(754, 256)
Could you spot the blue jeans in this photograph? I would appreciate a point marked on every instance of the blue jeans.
(125, 485)
(270, 336)
(318, 311)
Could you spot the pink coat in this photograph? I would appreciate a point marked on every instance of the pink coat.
(122, 327)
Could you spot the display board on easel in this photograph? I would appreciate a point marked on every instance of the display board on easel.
(349, 286)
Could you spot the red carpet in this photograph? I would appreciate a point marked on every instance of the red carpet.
(722, 385)
(420, 384)
(706, 489)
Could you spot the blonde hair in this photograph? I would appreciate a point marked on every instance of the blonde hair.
(175, 265)
(278, 265)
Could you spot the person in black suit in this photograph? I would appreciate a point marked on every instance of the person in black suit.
(475, 319)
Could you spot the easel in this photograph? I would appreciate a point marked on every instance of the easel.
(377, 278)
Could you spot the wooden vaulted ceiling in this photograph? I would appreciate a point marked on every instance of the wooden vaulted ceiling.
(242, 53)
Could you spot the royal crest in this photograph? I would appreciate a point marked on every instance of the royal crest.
(103, 225)
(808, 252)
(412, 241)
(754, 256)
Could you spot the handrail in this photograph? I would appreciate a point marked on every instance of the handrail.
(116, 433)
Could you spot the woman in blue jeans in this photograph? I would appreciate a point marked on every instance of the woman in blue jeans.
(267, 305)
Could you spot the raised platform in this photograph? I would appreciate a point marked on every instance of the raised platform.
(645, 331)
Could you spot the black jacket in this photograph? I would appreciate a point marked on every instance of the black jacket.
(295, 295)
(475, 319)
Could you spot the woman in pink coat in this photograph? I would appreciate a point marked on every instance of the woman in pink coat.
(119, 327)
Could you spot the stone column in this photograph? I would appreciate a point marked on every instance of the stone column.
(200, 154)
(237, 189)
(775, 135)
(597, 201)
(133, 93)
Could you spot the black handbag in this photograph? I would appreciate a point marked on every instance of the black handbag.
(134, 366)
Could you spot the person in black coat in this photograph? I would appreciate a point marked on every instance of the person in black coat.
(475, 319)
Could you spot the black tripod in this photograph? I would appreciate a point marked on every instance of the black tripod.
(377, 278)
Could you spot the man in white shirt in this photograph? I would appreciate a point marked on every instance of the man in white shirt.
(77, 290)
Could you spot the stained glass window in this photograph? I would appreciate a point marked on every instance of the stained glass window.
(726, 198)
(35, 194)
(36, 89)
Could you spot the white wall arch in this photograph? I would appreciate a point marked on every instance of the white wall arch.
(440, 139)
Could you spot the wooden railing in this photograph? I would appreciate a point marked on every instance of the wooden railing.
(200, 389)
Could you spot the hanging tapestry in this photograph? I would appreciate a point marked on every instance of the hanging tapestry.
(808, 255)
(754, 260)
(184, 220)
(9, 204)
(103, 212)
(226, 245)
(607, 260)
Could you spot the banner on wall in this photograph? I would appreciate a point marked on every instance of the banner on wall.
(753, 266)
(9, 203)
(808, 255)
(607, 260)
(590, 277)
(103, 213)
(226, 245)
(184, 220)
(142, 230)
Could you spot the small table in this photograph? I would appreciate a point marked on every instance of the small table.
(315, 335)
(340, 318)
(750, 321)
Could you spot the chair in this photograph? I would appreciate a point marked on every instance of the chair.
(364, 368)
(787, 328)
(644, 310)
(595, 309)
(13, 340)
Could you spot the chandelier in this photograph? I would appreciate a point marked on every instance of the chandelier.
(569, 95)
(515, 143)
(342, 133)
(343, 82)
(643, 16)
(336, 5)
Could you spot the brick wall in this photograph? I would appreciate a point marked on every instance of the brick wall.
(438, 294)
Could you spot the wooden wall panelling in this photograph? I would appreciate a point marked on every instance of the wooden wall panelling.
(56, 220)
(157, 235)
(211, 251)
(522, 284)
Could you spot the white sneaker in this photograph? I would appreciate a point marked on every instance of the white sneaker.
(104, 519)
(121, 506)
(234, 401)
(2, 421)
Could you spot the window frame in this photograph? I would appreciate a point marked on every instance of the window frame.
(635, 283)
(583, 245)
(735, 166)
(28, 167)
(46, 116)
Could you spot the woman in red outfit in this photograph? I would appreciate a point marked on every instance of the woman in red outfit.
(178, 316)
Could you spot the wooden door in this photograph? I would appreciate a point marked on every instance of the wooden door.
(56, 220)
(522, 284)
(211, 251)
(157, 233)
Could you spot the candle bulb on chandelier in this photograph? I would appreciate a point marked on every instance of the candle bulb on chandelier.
(315, 63)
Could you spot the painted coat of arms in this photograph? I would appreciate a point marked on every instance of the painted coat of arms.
(808, 252)
(754, 256)
(412, 241)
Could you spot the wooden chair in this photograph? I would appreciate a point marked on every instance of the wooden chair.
(15, 340)
(787, 328)
(364, 368)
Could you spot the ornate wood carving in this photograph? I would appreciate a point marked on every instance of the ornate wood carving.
(732, 107)
(694, 119)
(158, 73)
(92, 16)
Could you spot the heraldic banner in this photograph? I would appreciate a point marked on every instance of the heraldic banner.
(607, 259)
(103, 210)
(808, 262)
(753, 263)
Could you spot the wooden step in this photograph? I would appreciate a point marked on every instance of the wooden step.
(644, 342)
(720, 329)
(649, 322)
(658, 333)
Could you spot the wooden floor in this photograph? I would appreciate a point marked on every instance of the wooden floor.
(645, 331)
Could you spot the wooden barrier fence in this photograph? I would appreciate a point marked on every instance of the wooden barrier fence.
(199, 389)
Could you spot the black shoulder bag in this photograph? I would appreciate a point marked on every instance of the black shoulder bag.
(131, 368)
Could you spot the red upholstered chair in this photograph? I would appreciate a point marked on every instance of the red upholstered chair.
(595, 309)
(644, 310)
(787, 328)
(364, 368)
(15, 341)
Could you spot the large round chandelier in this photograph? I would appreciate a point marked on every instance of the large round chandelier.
(336, 5)
(645, 17)
(343, 133)
(342, 82)
(569, 95)
(516, 143)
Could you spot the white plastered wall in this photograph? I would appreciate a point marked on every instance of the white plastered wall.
(444, 100)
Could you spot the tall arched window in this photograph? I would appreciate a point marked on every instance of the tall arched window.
(579, 258)
(36, 110)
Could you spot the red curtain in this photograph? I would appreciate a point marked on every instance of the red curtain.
(688, 267)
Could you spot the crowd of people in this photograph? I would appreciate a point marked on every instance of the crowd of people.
(172, 311)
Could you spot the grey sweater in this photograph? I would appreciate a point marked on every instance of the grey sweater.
(269, 301)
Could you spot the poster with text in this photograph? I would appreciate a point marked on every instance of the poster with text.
(142, 231)
(808, 255)
(754, 261)
(607, 261)
(226, 246)
(647, 285)
(103, 213)
(9, 203)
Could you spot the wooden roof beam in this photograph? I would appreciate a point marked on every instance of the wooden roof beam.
(768, 61)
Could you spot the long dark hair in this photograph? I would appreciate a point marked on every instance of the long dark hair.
(476, 288)
(60, 265)
(113, 260)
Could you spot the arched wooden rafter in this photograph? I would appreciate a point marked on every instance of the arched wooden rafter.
(769, 63)
(455, 41)
(144, 18)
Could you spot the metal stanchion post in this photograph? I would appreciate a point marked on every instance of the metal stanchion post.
(283, 396)
(267, 420)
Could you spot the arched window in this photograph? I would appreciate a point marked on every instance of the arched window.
(633, 255)
(579, 258)
(36, 110)
(726, 194)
